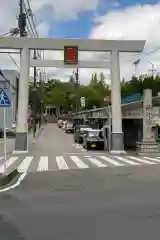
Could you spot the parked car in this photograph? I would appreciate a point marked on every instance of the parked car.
(69, 127)
(93, 139)
(63, 125)
(79, 131)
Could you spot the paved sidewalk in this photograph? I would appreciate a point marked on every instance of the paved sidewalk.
(10, 146)
(31, 140)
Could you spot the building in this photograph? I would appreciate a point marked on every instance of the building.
(10, 87)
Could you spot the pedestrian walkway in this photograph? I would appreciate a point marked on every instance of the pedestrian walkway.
(46, 163)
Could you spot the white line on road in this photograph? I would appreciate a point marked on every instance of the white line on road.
(111, 161)
(152, 159)
(141, 160)
(25, 164)
(8, 163)
(61, 163)
(20, 179)
(78, 162)
(127, 160)
(96, 162)
(43, 164)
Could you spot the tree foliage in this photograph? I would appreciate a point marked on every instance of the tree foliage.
(66, 95)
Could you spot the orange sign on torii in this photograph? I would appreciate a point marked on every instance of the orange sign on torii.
(70, 55)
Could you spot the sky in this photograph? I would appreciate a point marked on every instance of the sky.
(97, 19)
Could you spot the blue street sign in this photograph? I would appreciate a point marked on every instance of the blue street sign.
(4, 99)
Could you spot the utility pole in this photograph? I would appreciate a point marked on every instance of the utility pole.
(35, 90)
(153, 70)
(22, 31)
(22, 19)
(41, 98)
(77, 84)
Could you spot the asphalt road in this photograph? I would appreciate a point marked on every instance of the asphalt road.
(121, 203)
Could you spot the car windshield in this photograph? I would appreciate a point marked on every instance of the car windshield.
(93, 134)
(84, 126)
(69, 124)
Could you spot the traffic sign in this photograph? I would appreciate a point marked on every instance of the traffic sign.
(83, 101)
(70, 55)
(4, 99)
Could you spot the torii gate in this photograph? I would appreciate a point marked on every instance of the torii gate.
(112, 46)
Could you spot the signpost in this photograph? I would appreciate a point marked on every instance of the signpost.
(4, 103)
(83, 102)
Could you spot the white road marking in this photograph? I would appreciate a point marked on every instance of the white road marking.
(43, 164)
(96, 162)
(152, 159)
(127, 160)
(78, 162)
(8, 163)
(111, 161)
(20, 179)
(141, 160)
(61, 163)
(25, 164)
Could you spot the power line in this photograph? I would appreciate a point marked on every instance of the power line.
(14, 61)
(31, 14)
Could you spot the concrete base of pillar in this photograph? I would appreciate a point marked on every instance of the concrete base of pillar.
(21, 143)
(118, 152)
(117, 145)
(146, 148)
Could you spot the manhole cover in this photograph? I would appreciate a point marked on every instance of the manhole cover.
(68, 188)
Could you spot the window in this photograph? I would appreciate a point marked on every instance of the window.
(4, 85)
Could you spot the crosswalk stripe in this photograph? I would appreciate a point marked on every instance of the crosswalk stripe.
(111, 161)
(78, 162)
(141, 160)
(152, 159)
(96, 162)
(61, 163)
(127, 160)
(43, 164)
(25, 164)
(8, 163)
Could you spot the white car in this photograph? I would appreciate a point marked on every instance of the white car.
(63, 125)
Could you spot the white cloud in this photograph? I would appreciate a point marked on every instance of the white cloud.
(45, 11)
(140, 22)
(64, 10)
(136, 22)
(8, 11)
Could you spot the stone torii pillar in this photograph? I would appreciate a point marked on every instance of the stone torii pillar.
(21, 143)
(117, 142)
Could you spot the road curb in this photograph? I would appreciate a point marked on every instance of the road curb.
(6, 180)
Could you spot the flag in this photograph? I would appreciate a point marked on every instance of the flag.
(137, 62)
